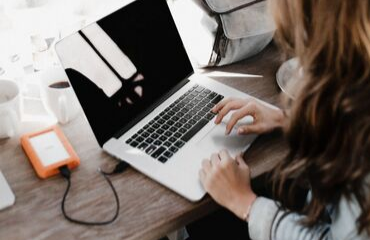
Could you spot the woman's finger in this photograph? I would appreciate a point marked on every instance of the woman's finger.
(232, 105)
(215, 162)
(221, 104)
(202, 176)
(249, 129)
(224, 155)
(241, 161)
(206, 165)
(249, 109)
(215, 157)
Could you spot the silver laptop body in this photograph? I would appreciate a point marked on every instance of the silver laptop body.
(145, 105)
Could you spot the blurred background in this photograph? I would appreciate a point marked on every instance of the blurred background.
(29, 30)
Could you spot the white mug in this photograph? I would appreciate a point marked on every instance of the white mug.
(59, 95)
(10, 113)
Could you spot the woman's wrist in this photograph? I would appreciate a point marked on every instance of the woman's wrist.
(279, 118)
(242, 205)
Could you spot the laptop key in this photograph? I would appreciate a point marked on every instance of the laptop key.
(192, 121)
(157, 143)
(179, 144)
(162, 159)
(168, 134)
(160, 131)
(199, 98)
(194, 130)
(150, 149)
(165, 127)
(168, 154)
(199, 89)
(178, 125)
(209, 116)
(143, 146)
(158, 152)
(206, 109)
(197, 108)
(187, 126)
(170, 122)
(167, 144)
(183, 120)
(210, 105)
(163, 138)
(151, 130)
(154, 136)
(202, 113)
(177, 135)
(212, 95)
(139, 139)
(183, 130)
(174, 149)
(172, 139)
(156, 125)
(149, 140)
(145, 134)
(129, 140)
(197, 118)
(217, 99)
(202, 104)
(161, 121)
(173, 129)
(134, 144)
(193, 112)
(180, 114)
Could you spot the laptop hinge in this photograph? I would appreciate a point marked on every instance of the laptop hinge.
(151, 108)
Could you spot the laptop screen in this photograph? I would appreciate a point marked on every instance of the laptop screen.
(123, 63)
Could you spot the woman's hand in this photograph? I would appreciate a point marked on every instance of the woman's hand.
(266, 118)
(227, 180)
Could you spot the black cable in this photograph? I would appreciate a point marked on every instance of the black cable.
(66, 173)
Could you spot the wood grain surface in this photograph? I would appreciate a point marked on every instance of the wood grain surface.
(148, 210)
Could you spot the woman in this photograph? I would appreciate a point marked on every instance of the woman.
(327, 127)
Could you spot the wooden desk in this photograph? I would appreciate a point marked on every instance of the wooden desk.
(148, 210)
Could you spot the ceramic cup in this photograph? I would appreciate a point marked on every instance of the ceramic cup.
(10, 113)
(58, 94)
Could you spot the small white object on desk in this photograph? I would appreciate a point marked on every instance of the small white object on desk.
(7, 197)
(49, 148)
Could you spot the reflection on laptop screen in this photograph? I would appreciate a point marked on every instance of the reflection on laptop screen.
(122, 64)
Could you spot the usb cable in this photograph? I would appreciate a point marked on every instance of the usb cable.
(66, 173)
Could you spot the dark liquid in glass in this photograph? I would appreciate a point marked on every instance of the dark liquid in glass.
(60, 85)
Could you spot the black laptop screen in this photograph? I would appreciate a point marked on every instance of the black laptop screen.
(122, 64)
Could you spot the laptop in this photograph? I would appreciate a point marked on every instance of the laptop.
(136, 85)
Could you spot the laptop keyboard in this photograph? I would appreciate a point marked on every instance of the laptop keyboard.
(169, 131)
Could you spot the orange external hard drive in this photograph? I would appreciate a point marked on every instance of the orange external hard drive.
(48, 150)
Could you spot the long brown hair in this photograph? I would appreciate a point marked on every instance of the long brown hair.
(329, 120)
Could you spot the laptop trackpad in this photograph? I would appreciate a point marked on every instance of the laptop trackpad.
(216, 140)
